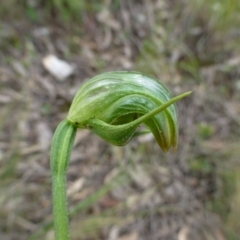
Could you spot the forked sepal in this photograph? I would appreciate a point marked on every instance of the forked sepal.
(120, 135)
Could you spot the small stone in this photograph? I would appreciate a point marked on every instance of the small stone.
(57, 67)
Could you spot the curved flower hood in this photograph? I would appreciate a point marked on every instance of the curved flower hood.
(114, 104)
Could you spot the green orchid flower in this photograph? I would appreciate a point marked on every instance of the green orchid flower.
(112, 105)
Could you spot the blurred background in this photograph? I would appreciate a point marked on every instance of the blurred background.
(49, 48)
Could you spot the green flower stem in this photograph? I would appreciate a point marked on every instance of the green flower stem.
(60, 154)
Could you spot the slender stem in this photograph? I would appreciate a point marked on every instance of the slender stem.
(60, 154)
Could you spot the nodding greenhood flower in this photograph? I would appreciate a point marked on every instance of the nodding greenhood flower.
(114, 104)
